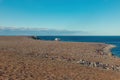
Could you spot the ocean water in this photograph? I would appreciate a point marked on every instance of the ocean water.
(115, 40)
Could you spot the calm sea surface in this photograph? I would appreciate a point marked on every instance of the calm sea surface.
(115, 40)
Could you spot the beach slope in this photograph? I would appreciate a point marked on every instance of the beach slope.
(23, 58)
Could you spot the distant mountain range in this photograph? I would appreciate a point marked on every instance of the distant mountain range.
(36, 31)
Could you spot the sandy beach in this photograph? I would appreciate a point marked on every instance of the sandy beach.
(24, 58)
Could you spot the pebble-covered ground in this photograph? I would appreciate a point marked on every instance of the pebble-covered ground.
(23, 58)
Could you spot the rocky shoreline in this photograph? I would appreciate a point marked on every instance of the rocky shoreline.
(104, 51)
(107, 49)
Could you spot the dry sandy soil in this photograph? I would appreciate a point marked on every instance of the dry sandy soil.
(23, 58)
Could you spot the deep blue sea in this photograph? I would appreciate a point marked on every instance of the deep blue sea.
(115, 40)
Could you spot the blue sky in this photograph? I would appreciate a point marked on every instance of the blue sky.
(86, 17)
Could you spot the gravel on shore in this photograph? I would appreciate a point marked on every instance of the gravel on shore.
(23, 58)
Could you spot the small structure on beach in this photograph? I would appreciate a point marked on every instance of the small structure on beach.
(57, 39)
